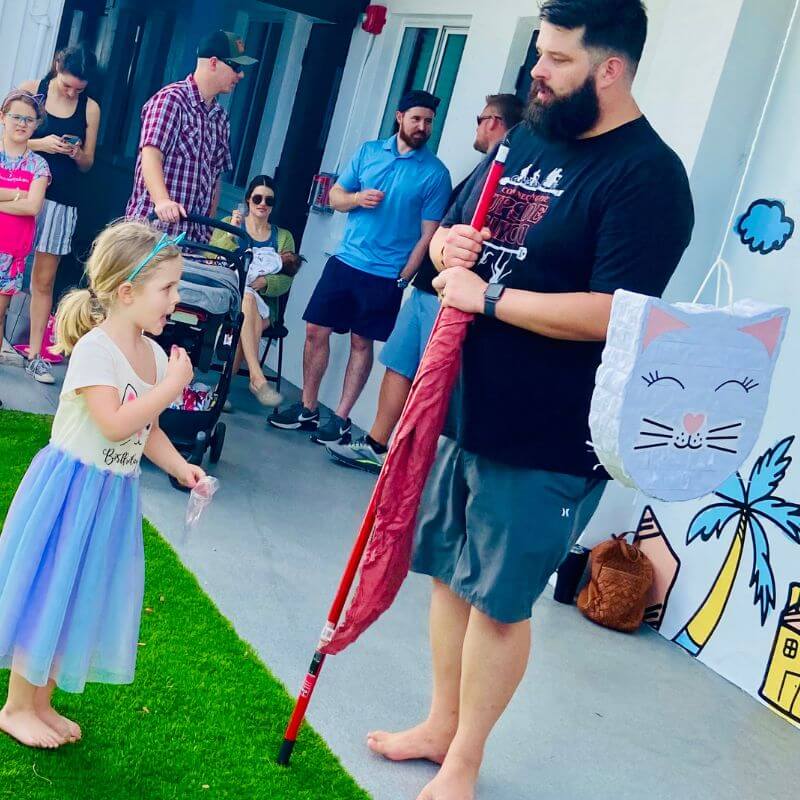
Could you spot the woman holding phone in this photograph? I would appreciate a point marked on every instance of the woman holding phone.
(67, 142)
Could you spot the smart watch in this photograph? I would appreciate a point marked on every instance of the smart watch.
(494, 291)
(402, 283)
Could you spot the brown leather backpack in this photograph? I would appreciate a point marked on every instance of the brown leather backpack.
(621, 576)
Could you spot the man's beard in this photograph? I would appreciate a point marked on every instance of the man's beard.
(414, 141)
(564, 117)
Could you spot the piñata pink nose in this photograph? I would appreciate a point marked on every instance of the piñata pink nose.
(693, 422)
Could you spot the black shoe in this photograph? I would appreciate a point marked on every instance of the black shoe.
(335, 431)
(294, 418)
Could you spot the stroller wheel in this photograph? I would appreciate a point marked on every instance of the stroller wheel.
(199, 449)
(217, 440)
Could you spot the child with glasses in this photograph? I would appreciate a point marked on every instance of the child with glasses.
(71, 553)
(24, 177)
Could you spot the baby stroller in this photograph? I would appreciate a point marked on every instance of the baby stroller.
(207, 323)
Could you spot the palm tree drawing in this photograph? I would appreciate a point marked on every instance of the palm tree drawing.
(751, 504)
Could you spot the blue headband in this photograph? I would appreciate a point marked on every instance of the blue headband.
(163, 243)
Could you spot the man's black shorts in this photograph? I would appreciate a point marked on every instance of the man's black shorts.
(347, 299)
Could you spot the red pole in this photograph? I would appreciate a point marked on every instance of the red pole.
(346, 583)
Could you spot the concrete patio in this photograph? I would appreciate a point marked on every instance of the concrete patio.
(600, 715)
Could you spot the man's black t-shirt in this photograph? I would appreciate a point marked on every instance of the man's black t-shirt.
(588, 215)
(423, 280)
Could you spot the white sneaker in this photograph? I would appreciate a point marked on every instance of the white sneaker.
(359, 454)
(40, 370)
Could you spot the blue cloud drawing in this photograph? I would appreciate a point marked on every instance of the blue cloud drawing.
(765, 228)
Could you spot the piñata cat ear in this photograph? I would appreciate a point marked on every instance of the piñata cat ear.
(658, 323)
(768, 332)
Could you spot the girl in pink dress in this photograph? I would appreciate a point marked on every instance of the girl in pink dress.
(24, 177)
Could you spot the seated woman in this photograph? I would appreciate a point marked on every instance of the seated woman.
(274, 265)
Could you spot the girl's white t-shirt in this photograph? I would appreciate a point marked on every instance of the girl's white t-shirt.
(97, 361)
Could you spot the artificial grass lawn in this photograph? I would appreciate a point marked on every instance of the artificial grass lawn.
(204, 717)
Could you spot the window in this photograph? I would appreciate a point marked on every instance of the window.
(134, 72)
(524, 79)
(429, 59)
(247, 105)
(790, 648)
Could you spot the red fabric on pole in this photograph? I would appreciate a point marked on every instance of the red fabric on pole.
(392, 512)
(397, 493)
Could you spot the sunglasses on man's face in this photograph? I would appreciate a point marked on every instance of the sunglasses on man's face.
(260, 199)
(237, 68)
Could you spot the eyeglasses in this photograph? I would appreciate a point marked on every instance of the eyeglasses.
(21, 119)
(237, 68)
(164, 242)
(259, 199)
(481, 120)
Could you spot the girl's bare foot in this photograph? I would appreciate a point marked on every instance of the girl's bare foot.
(456, 781)
(425, 741)
(26, 727)
(68, 730)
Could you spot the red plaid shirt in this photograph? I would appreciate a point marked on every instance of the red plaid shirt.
(194, 139)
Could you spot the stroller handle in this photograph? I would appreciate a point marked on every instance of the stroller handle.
(245, 240)
(245, 244)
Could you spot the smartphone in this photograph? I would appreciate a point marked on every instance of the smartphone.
(70, 139)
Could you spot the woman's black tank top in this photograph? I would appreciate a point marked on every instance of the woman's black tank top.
(64, 187)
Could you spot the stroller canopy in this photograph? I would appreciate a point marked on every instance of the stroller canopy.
(214, 288)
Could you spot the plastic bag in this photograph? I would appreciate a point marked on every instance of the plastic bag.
(199, 498)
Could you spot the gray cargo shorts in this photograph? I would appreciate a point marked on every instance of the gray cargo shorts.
(495, 533)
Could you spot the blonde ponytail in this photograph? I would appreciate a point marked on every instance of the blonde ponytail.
(115, 254)
(78, 312)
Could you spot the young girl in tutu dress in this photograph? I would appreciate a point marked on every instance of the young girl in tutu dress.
(71, 554)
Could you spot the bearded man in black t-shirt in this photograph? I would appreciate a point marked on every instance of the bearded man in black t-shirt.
(591, 201)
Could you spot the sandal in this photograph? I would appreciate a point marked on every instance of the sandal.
(266, 395)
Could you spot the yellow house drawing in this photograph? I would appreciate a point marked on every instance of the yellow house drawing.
(781, 687)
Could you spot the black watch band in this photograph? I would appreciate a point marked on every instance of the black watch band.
(493, 292)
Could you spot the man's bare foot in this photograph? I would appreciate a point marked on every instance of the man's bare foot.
(425, 741)
(456, 781)
(68, 730)
(28, 729)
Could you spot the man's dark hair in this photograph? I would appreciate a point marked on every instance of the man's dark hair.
(618, 26)
(507, 106)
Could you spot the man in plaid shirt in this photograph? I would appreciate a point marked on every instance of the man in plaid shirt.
(184, 145)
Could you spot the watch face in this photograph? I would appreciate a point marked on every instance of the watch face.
(494, 290)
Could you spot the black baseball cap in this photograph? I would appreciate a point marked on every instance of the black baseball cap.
(417, 98)
(225, 46)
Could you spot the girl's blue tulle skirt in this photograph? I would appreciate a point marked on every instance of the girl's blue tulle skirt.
(71, 574)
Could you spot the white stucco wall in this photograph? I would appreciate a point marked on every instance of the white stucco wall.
(29, 29)
(740, 647)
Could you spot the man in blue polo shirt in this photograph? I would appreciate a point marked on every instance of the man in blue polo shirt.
(394, 192)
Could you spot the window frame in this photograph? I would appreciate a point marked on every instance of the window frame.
(444, 26)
